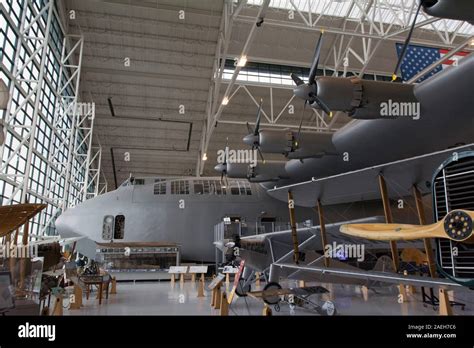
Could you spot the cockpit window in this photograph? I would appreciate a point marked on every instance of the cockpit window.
(159, 187)
(208, 187)
(199, 188)
(180, 187)
(240, 187)
(119, 228)
(108, 227)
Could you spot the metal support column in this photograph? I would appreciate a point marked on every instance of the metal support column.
(322, 228)
(64, 126)
(294, 235)
(426, 241)
(95, 172)
(80, 175)
(389, 220)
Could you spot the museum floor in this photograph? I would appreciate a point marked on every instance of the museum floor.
(160, 298)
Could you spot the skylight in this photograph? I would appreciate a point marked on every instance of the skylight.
(392, 11)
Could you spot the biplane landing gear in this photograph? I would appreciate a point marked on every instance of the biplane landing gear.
(243, 288)
(273, 294)
(328, 308)
(272, 299)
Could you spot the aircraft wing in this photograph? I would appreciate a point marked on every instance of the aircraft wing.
(58, 239)
(278, 246)
(362, 184)
(368, 278)
(284, 239)
(14, 216)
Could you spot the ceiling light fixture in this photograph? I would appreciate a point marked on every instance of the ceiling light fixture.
(242, 61)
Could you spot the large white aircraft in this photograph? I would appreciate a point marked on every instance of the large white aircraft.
(182, 211)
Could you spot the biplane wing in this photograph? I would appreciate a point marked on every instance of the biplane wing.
(259, 251)
(362, 185)
(283, 238)
(368, 278)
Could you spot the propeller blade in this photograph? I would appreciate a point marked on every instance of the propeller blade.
(259, 117)
(296, 79)
(261, 155)
(323, 106)
(226, 155)
(407, 41)
(301, 123)
(250, 130)
(456, 226)
(314, 66)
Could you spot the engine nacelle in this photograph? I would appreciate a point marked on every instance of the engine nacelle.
(275, 141)
(312, 145)
(268, 171)
(296, 145)
(237, 170)
(462, 10)
(362, 99)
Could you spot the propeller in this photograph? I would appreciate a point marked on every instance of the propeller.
(253, 138)
(296, 79)
(309, 91)
(297, 142)
(314, 66)
(222, 167)
(253, 133)
(457, 226)
(407, 41)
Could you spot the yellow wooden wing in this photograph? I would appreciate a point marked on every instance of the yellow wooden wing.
(14, 216)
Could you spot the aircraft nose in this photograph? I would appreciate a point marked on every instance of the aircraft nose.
(250, 139)
(64, 227)
(74, 222)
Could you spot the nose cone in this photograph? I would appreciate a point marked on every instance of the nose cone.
(221, 167)
(303, 91)
(65, 225)
(86, 218)
(251, 139)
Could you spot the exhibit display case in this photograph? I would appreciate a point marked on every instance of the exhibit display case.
(138, 261)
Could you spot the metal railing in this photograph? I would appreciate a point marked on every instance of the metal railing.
(225, 230)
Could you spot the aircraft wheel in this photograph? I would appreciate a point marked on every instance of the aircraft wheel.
(328, 308)
(271, 300)
(241, 291)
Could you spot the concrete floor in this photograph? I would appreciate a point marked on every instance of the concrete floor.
(160, 298)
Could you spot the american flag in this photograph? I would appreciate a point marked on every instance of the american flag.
(417, 58)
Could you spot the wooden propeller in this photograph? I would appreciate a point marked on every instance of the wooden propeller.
(456, 225)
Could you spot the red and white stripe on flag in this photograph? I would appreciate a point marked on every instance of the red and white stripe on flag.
(454, 59)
